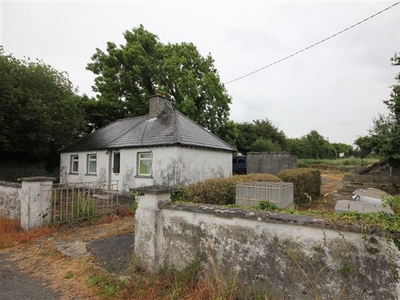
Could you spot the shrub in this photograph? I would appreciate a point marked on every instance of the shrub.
(222, 191)
(305, 182)
(392, 201)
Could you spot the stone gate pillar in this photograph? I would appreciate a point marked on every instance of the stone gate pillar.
(147, 231)
(35, 201)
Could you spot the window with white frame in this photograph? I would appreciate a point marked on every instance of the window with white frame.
(74, 167)
(144, 164)
(91, 163)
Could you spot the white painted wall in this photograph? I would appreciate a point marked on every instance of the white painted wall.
(10, 200)
(183, 166)
(171, 166)
(66, 176)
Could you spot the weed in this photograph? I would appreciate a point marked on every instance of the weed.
(179, 196)
(123, 211)
(345, 269)
(83, 207)
(392, 201)
(106, 285)
(318, 248)
(69, 275)
(266, 205)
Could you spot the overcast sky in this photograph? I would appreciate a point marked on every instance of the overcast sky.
(336, 88)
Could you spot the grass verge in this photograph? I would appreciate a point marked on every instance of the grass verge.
(12, 234)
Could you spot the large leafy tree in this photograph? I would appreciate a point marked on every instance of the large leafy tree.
(364, 147)
(347, 150)
(127, 75)
(386, 129)
(260, 135)
(312, 145)
(39, 111)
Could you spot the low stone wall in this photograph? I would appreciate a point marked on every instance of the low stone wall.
(285, 256)
(10, 199)
(389, 184)
(29, 201)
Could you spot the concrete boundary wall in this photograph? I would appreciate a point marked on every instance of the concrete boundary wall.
(10, 199)
(286, 256)
(29, 201)
(270, 162)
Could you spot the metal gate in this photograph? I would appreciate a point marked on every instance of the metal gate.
(83, 201)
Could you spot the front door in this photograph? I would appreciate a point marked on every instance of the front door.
(115, 167)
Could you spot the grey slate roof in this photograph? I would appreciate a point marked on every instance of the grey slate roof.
(166, 130)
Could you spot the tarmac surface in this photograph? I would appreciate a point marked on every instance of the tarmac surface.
(19, 286)
(113, 253)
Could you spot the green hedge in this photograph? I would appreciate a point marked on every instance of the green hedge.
(305, 181)
(222, 191)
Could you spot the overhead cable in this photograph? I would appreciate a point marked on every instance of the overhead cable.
(313, 45)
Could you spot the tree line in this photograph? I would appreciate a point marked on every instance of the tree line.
(383, 139)
(40, 111)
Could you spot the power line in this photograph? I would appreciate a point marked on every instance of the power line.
(313, 45)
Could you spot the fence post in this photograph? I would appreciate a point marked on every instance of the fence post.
(147, 225)
(35, 201)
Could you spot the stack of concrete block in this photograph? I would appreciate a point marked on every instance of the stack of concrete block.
(278, 193)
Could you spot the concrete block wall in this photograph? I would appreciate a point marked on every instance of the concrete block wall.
(270, 162)
(251, 193)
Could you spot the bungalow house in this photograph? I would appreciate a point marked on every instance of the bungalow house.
(161, 148)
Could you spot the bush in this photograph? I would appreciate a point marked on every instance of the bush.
(222, 191)
(305, 182)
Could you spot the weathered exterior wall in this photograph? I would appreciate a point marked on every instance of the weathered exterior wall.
(10, 199)
(270, 162)
(35, 201)
(183, 166)
(171, 166)
(29, 201)
(286, 256)
(82, 176)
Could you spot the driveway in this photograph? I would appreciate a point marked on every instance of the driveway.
(19, 286)
(71, 251)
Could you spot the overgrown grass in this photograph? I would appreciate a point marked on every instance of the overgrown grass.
(341, 162)
(12, 234)
(382, 220)
(193, 282)
(106, 285)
